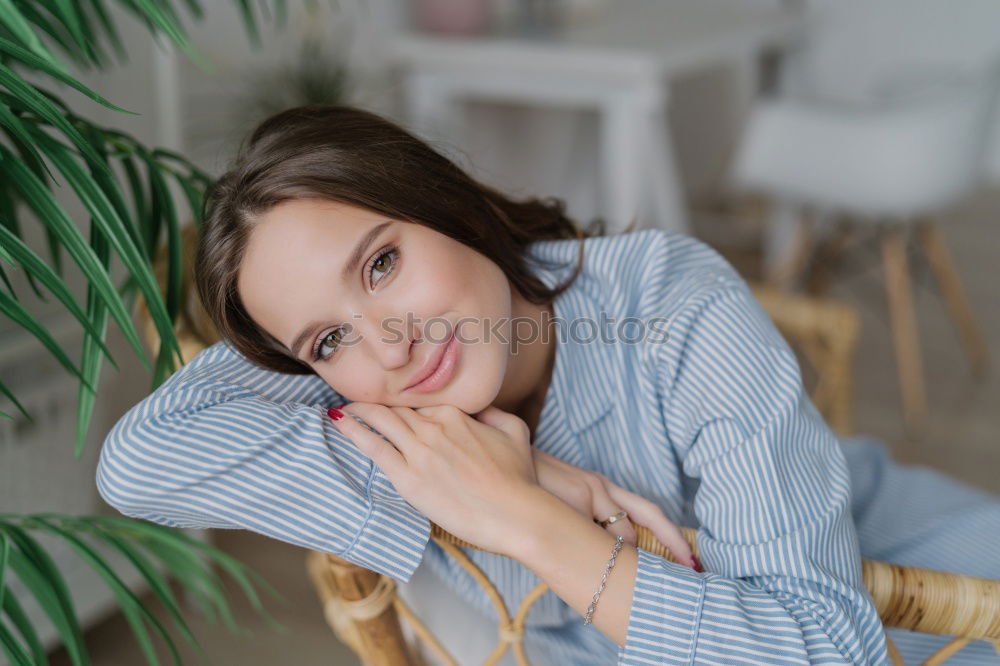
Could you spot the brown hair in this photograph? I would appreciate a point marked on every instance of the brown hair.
(351, 156)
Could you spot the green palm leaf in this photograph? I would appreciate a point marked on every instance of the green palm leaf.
(137, 247)
(66, 12)
(4, 556)
(36, 570)
(151, 12)
(246, 12)
(56, 33)
(38, 197)
(157, 581)
(90, 362)
(187, 560)
(15, 651)
(203, 584)
(106, 217)
(8, 220)
(138, 192)
(108, 25)
(33, 263)
(195, 8)
(10, 396)
(15, 128)
(134, 610)
(41, 64)
(12, 19)
(245, 577)
(37, 103)
(14, 310)
(44, 143)
(22, 623)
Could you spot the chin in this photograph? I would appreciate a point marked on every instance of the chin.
(473, 391)
(470, 399)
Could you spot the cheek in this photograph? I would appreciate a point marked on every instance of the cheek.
(354, 380)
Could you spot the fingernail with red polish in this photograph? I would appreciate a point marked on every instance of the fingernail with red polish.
(695, 564)
(335, 413)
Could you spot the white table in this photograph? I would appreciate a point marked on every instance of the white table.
(620, 65)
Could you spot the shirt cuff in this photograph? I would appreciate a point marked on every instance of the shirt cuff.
(666, 609)
(393, 539)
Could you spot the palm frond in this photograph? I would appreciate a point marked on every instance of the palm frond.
(18, 25)
(44, 145)
(157, 554)
(46, 138)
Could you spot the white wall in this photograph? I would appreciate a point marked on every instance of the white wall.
(215, 113)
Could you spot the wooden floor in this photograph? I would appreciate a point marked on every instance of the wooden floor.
(962, 438)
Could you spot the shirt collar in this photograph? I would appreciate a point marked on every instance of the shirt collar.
(585, 373)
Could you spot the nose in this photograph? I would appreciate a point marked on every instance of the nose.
(388, 341)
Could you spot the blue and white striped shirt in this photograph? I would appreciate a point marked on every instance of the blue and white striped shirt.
(710, 421)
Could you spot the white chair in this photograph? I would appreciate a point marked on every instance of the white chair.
(896, 162)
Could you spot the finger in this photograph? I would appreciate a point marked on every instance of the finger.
(381, 452)
(442, 413)
(386, 422)
(409, 416)
(604, 506)
(506, 422)
(646, 513)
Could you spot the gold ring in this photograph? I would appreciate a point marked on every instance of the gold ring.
(614, 519)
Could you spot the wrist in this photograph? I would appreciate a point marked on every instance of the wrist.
(570, 553)
(544, 518)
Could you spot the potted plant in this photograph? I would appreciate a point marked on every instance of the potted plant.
(125, 188)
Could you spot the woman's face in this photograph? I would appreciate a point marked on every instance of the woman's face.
(371, 303)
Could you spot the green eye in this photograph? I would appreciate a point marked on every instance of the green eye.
(382, 264)
(332, 339)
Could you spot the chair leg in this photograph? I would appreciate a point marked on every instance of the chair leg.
(379, 632)
(955, 297)
(828, 258)
(784, 270)
(904, 329)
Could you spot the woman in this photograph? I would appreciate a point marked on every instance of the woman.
(520, 382)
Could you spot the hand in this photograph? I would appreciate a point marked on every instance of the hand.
(475, 480)
(594, 496)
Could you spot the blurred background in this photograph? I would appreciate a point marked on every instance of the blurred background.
(846, 151)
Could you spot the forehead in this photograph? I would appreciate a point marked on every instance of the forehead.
(308, 221)
(296, 247)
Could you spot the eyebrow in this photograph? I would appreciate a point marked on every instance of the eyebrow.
(350, 267)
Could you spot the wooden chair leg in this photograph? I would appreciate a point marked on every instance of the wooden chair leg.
(904, 329)
(946, 651)
(828, 258)
(364, 600)
(789, 266)
(955, 297)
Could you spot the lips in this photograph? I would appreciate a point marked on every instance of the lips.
(432, 363)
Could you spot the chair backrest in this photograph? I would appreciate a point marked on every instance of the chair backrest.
(919, 148)
(886, 108)
(364, 608)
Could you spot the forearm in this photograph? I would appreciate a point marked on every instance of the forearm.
(570, 553)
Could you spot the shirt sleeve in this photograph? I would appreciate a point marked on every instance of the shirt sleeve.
(782, 581)
(225, 444)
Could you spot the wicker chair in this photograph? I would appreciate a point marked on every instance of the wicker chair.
(363, 607)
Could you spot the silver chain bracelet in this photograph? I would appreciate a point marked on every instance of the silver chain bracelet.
(604, 580)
